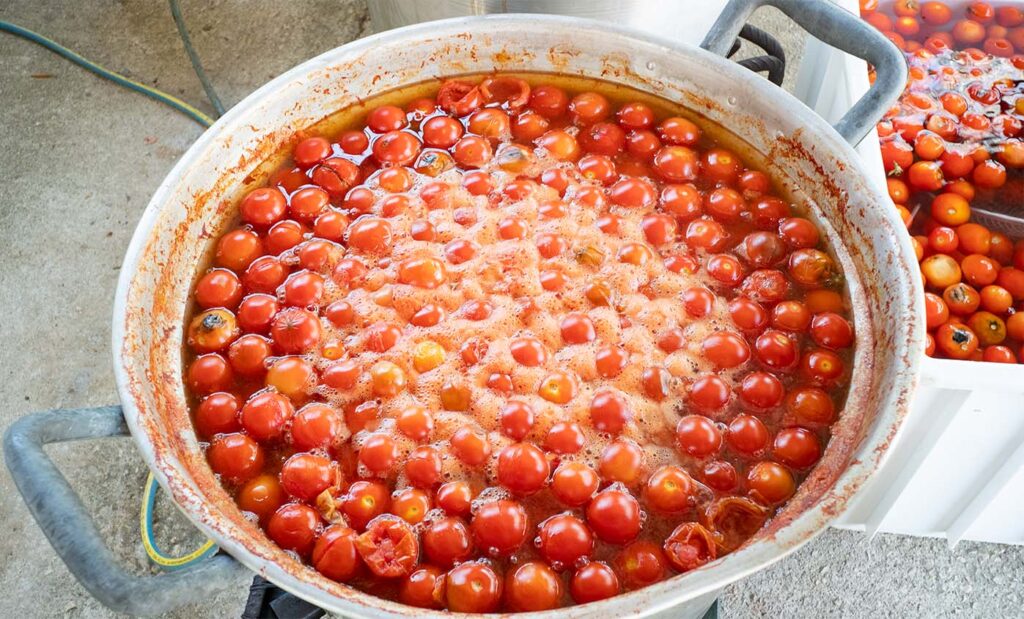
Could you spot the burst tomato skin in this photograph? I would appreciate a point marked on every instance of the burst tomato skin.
(389, 547)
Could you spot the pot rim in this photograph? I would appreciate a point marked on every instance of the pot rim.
(874, 447)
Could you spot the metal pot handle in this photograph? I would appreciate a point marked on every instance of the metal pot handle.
(60, 514)
(835, 26)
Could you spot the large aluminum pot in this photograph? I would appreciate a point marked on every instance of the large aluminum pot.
(196, 199)
(687, 21)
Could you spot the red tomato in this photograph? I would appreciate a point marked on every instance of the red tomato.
(389, 547)
(523, 468)
(609, 412)
(293, 527)
(305, 475)
(473, 588)
(614, 516)
(574, 483)
(335, 555)
(265, 414)
(698, 436)
(564, 438)
(532, 586)
(592, 582)
(424, 588)
(500, 527)
(796, 447)
(689, 546)
(641, 563)
(725, 349)
(564, 541)
(235, 457)
(217, 414)
(447, 541)
(262, 495)
(747, 434)
(669, 489)
(708, 393)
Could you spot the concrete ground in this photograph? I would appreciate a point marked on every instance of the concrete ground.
(80, 158)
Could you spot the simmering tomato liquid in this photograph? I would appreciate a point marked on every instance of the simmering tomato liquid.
(515, 342)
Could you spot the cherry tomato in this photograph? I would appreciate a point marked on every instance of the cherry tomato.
(365, 501)
(791, 316)
(447, 541)
(708, 393)
(423, 467)
(335, 555)
(588, 108)
(265, 414)
(747, 434)
(235, 457)
(293, 527)
(669, 489)
(747, 314)
(473, 588)
(956, 341)
(262, 495)
(796, 447)
(532, 586)
(455, 498)
(217, 414)
(989, 328)
(725, 349)
(305, 475)
(469, 446)
(564, 541)
(822, 367)
(775, 349)
(209, 373)
(689, 546)
(770, 482)
(641, 563)
(719, 475)
(761, 390)
(621, 461)
(698, 436)
(810, 404)
(830, 330)
(424, 588)
(295, 330)
(592, 582)
(523, 468)
(499, 527)
(212, 331)
(574, 483)
(311, 151)
(564, 438)
(614, 516)
(389, 547)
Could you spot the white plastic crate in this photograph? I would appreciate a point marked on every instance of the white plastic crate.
(958, 471)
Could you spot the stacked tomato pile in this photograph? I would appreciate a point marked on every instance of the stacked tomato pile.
(509, 349)
(953, 140)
